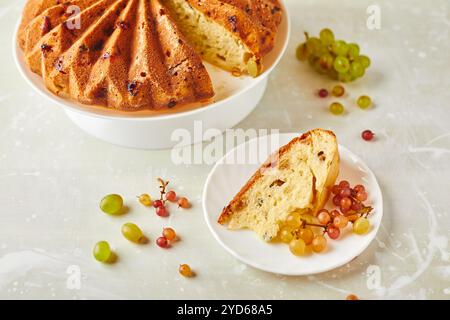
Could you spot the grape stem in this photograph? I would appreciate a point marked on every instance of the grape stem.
(162, 188)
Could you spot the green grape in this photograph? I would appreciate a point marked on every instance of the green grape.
(312, 43)
(339, 48)
(364, 60)
(102, 251)
(353, 50)
(327, 36)
(326, 61)
(297, 247)
(319, 68)
(111, 204)
(341, 64)
(336, 108)
(345, 77)
(356, 69)
(361, 226)
(286, 234)
(302, 52)
(132, 232)
(364, 102)
(334, 74)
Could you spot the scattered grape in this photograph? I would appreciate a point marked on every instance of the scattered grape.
(324, 217)
(112, 204)
(132, 232)
(367, 135)
(145, 199)
(319, 243)
(338, 91)
(102, 251)
(169, 234)
(286, 235)
(162, 242)
(323, 93)
(364, 102)
(340, 221)
(306, 235)
(361, 226)
(184, 203)
(297, 247)
(171, 196)
(186, 271)
(359, 188)
(333, 232)
(336, 108)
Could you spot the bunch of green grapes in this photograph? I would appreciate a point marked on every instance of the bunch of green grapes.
(340, 60)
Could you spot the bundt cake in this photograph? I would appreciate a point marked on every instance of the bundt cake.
(144, 54)
(297, 178)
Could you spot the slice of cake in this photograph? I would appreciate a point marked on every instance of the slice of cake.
(296, 178)
(232, 34)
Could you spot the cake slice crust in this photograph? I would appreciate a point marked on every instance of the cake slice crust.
(296, 178)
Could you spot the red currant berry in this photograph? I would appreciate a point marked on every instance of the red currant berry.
(323, 93)
(162, 242)
(157, 203)
(345, 203)
(171, 196)
(346, 192)
(359, 188)
(344, 184)
(334, 214)
(336, 200)
(361, 196)
(333, 232)
(162, 211)
(356, 206)
(367, 135)
(335, 189)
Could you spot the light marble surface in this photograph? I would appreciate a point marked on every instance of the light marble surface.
(52, 175)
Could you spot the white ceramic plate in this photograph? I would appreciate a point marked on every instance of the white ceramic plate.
(225, 180)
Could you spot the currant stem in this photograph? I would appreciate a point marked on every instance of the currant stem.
(162, 188)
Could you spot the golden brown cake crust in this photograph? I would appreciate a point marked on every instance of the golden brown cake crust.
(271, 162)
(127, 55)
(130, 54)
(254, 21)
